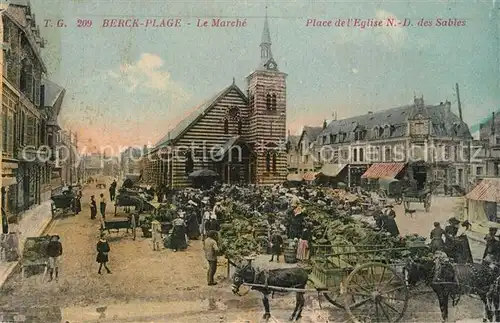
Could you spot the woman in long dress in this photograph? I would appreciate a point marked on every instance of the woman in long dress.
(303, 246)
(179, 233)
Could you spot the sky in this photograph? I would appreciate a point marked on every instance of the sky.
(129, 86)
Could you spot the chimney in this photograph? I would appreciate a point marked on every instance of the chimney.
(493, 123)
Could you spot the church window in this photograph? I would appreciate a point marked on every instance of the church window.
(226, 126)
(273, 102)
(268, 162)
(361, 154)
(240, 127)
(268, 102)
(274, 162)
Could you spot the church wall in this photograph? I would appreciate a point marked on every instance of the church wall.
(209, 132)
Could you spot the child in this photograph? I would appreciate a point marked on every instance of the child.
(276, 245)
(102, 253)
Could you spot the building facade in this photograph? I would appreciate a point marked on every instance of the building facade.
(489, 136)
(24, 121)
(427, 143)
(130, 161)
(238, 134)
(92, 166)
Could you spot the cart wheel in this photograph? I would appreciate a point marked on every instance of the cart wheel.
(375, 291)
(398, 200)
(427, 202)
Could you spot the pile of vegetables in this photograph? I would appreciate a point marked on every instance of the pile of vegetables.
(246, 233)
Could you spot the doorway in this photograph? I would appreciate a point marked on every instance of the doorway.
(420, 176)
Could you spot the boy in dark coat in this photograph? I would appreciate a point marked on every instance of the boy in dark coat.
(276, 245)
(102, 253)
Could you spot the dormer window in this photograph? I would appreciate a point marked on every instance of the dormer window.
(380, 132)
(324, 140)
(359, 135)
(375, 132)
(392, 129)
(332, 138)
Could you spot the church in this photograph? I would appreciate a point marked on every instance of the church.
(238, 134)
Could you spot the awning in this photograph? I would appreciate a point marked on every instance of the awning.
(294, 178)
(332, 170)
(487, 190)
(383, 170)
(310, 176)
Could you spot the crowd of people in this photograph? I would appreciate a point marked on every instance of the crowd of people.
(200, 213)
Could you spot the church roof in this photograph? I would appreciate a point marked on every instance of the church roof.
(194, 116)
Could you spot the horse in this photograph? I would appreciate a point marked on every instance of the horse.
(284, 278)
(449, 280)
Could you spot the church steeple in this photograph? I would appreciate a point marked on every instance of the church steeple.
(266, 56)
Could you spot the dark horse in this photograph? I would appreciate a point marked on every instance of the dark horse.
(453, 281)
(285, 278)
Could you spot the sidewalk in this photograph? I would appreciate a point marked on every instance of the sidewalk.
(33, 223)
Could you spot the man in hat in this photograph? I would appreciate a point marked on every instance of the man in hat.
(54, 251)
(437, 242)
(491, 252)
(211, 251)
(389, 221)
(93, 207)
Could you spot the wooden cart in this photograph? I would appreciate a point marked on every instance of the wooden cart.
(363, 280)
(423, 196)
(117, 223)
(62, 204)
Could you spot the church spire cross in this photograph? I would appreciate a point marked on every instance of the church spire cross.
(266, 55)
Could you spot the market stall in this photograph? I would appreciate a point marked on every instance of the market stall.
(482, 202)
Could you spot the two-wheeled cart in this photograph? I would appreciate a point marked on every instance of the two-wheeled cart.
(423, 196)
(366, 281)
